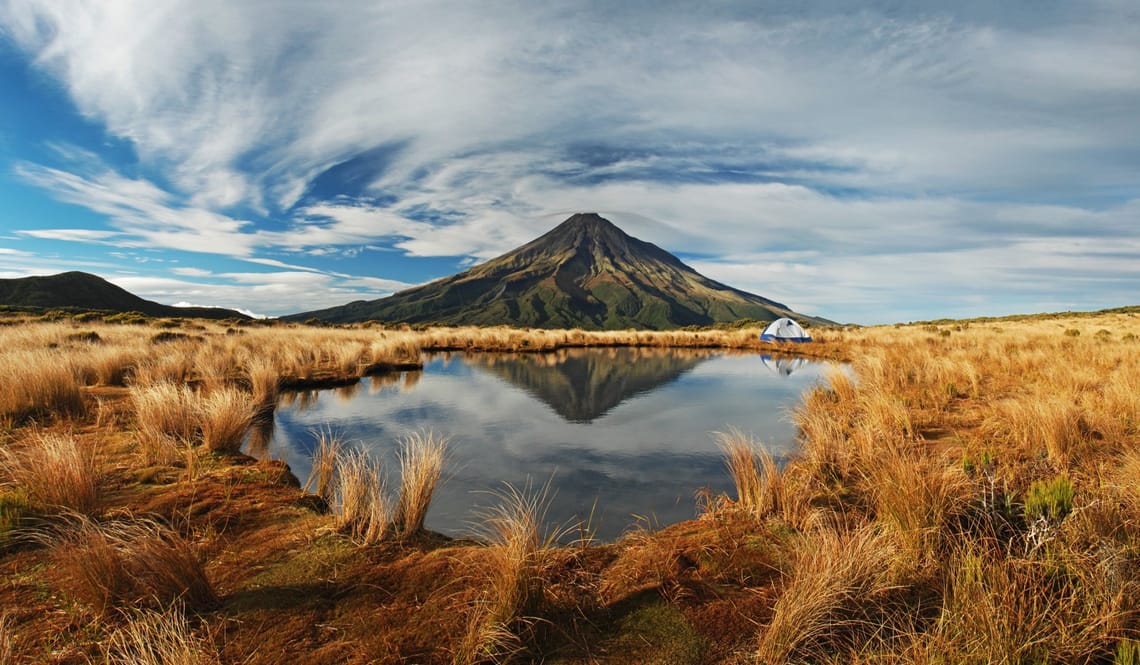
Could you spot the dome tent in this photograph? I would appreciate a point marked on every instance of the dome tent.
(784, 330)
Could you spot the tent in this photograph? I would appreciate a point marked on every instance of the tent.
(783, 365)
(784, 330)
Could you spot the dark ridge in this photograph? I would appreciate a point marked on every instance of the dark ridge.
(83, 291)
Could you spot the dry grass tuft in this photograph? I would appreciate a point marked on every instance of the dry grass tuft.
(362, 507)
(9, 651)
(330, 447)
(124, 564)
(56, 472)
(834, 578)
(158, 638)
(516, 556)
(264, 381)
(421, 463)
(226, 415)
(39, 383)
(1000, 610)
(762, 490)
(168, 420)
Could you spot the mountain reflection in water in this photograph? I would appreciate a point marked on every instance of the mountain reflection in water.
(583, 384)
(629, 428)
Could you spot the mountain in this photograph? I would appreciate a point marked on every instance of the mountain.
(582, 385)
(87, 292)
(585, 273)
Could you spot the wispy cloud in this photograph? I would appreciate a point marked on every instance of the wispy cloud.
(888, 135)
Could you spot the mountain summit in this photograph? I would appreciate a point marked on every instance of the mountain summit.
(584, 273)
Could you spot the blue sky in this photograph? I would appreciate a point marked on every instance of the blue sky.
(884, 162)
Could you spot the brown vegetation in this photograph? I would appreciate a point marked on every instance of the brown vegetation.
(963, 492)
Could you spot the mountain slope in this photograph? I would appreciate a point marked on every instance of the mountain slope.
(584, 273)
(84, 291)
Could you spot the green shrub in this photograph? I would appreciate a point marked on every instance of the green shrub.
(1052, 499)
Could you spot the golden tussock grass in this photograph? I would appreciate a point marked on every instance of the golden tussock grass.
(39, 383)
(56, 472)
(919, 499)
(836, 578)
(9, 648)
(322, 475)
(225, 416)
(421, 458)
(168, 419)
(1068, 609)
(126, 564)
(361, 502)
(512, 575)
(150, 637)
(762, 490)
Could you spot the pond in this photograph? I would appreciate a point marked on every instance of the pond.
(623, 436)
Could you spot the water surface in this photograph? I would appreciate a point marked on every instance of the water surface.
(623, 433)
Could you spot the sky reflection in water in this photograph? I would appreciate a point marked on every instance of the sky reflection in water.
(631, 428)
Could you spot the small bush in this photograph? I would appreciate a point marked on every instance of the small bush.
(1051, 499)
(1072, 332)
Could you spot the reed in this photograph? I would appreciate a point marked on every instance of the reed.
(56, 473)
(421, 459)
(150, 637)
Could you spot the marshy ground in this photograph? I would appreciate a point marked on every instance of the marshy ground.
(970, 496)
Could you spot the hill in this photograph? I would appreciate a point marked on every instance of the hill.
(84, 291)
(585, 273)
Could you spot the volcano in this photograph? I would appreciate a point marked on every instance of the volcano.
(585, 273)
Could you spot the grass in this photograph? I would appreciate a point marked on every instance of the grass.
(512, 574)
(9, 650)
(421, 458)
(836, 578)
(168, 418)
(128, 563)
(330, 447)
(957, 495)
(56, 473)
(39, 384)
(761, 488)
(361, 503)
(151, 637)
(225, 417)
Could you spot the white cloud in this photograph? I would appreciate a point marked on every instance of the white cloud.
(890, 136)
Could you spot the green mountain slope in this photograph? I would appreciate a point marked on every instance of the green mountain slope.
(585, 273)
(84, 291)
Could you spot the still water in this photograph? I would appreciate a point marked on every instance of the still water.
(624, 434)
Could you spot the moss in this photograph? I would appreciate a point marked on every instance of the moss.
(656, 633)
(317, 562)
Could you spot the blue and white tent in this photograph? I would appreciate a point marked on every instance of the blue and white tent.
(784, 330)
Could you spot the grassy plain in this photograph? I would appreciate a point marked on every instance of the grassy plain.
(968, 494)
